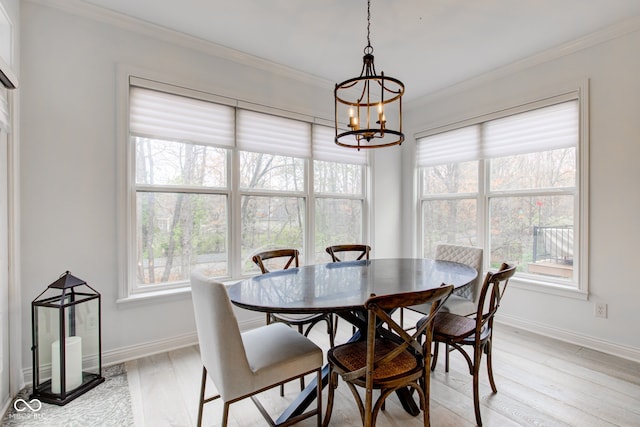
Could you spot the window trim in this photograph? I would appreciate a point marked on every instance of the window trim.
(579, 92)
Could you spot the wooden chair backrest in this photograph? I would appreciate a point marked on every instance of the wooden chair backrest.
(493, 287)
(362, 251)
(290, 256)
(379, 310)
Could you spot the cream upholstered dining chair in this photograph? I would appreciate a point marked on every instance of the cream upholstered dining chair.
(386, 359)
(475, 330)
(464, 300)
(244, 364)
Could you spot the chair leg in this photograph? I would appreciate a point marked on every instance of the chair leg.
(203, 399)
(319, 397)
(333, 383)
(426, 387)
(434, 360)
(225, 414)
(488, 351)
(301, 331)
(203, 384)
(446, 358)
(477, 355)
(379, 405)
(330, 330)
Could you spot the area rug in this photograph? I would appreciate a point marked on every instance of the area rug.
(108, 404)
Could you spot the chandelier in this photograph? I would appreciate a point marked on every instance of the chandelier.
(372, 103)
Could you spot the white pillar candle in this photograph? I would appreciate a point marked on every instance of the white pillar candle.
(73, 364)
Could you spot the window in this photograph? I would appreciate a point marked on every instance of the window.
(339, 190)
(509, 183)
(210, 184)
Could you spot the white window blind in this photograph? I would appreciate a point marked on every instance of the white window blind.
(542, 129)
(458, 145)
(324, 148)
(161, 115)
(266, 133)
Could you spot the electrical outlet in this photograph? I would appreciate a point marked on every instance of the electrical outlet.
(601, 310)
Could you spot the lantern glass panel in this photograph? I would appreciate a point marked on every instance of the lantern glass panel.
(48, 330)
(87, 328)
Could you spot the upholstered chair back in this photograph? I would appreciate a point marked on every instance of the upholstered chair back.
(468, 255)
(221, 347)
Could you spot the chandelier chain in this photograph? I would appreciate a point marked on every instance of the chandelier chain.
(369, 24)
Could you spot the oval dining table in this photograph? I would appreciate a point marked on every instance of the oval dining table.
(343, 288)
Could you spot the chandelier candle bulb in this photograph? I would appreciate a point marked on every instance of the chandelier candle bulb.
(353, 120)
(381, 118)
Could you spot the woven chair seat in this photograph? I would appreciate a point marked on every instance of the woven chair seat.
(452, 325)
(353, 356)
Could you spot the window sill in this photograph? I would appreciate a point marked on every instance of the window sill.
(174, 293)
(549, 288)
(162, 294)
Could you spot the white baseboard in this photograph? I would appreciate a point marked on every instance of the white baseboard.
(125, 354)
(625, 352)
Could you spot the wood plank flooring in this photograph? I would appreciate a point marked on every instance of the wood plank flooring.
(541, 382)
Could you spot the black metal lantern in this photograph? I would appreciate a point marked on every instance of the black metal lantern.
(67, 347)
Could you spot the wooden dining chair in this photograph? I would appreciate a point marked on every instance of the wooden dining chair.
(347, 252)
(285, 258)
(464, 300)
(244, 364)
(388, 358)
(341, 253)
(475, 331)
(277, 259)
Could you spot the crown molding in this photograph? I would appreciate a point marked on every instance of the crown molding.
(124, 22)
(590, 40)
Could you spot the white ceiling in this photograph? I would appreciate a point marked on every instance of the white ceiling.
(428, 44)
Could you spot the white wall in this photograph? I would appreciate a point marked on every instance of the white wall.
(611, 62)
(69, 158)
(386, 203)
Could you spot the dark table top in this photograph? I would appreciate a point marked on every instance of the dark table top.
(344, 286)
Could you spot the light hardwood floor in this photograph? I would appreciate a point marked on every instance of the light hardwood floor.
(541, 382)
